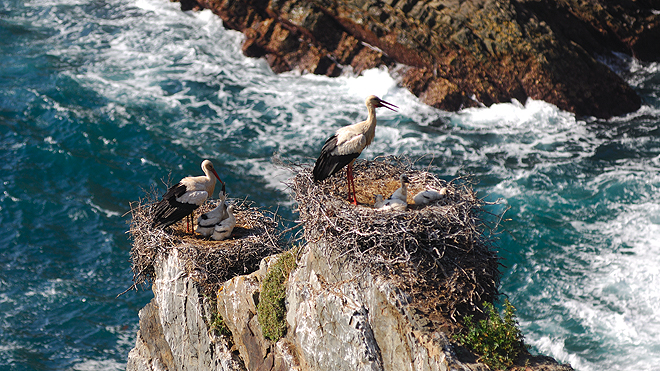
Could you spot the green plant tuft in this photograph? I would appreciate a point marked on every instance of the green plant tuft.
(497, 340)
(218, 325)
(215, 322)
(271, 308)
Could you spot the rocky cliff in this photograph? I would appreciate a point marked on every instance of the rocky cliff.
(363, 290)
(336, 322)
(458, 53)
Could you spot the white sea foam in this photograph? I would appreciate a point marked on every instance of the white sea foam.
(555, 348)
(96, 365)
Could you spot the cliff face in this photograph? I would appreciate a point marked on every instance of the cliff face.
(336, 322)
(455, 54)
(368, 290)
(174, 327)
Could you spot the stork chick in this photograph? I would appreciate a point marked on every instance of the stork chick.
(224, 228)
(389, 204)
(428, 196)
(207, 221)
(402, 192)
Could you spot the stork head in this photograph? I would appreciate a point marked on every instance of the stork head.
(374, 101)
(404, 179)
(207, 166)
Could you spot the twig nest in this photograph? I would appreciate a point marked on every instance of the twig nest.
(209, 262)
(438, 252)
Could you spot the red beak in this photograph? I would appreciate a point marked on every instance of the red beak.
(387, 105)
(221, 182)
(216, 175)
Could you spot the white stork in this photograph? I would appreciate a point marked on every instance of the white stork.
(224, 228)
(207, 221)
(398, 200)
(183, 198)
(347, 143)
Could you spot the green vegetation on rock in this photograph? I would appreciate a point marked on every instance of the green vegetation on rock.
(218, 325)
(215, 322)
(271, 308)
(497, 340)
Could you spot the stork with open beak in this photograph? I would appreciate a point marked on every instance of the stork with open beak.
(347, 143)
(182, 199)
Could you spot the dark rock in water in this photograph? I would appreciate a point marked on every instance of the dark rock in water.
(455, 54)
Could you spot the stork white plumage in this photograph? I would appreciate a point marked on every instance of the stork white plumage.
(223, 229)
(389, 204)
(427, 196)
(207, 221)
(183, 198)
(402, 192)
(398, 200)
(347, 143)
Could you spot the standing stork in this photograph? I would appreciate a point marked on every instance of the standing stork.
(347, 143)
(182, 199)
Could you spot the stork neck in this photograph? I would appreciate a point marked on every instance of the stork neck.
(371, 118)
(210, 183)
(371, 123)
(209, 175)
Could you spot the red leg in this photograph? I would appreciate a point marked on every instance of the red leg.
(351, 184)
(348, 180)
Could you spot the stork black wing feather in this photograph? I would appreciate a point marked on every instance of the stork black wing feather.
(168, 210)
(328, 164)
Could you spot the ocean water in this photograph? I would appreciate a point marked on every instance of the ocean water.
(100, 100)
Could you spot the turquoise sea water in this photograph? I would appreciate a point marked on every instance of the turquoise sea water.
(99, 100)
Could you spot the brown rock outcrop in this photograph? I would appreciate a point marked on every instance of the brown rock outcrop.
(454, 53)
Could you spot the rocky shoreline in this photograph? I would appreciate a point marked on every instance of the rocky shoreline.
(454, 54)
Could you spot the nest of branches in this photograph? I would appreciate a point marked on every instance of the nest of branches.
(209, 263)
(441, 254)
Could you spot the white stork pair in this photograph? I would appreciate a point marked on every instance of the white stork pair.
(341, 149)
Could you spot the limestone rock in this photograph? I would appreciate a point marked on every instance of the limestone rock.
(326, 304)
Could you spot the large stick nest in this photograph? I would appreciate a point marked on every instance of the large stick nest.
(208, 262)
(440, 253)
